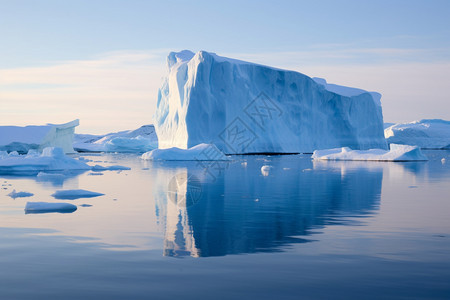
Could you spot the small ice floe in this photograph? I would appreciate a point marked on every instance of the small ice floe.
(285, 169)
(265, 170)
(15, 194)
(48, 207)
(397, 153)
(306, 170)
(98, 168)
(201, 152)
(51, 159)
(95, 174)
(443, 160)
(244, 164)
(75, 194)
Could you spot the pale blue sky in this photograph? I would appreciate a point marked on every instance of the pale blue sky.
(101, 61)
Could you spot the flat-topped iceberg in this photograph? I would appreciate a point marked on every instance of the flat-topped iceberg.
(51, 159)
(427, 134)
(397, 153)
(140, 140)
(243, 107)
(22, 139)
(202, 152)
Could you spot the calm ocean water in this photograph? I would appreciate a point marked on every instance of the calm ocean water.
(300, 229)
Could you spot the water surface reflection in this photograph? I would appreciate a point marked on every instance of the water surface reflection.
(244, 211)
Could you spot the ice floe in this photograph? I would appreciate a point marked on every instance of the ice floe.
(202, 152)
(15, 194)
(396, 153)
(75, 194)
(51, 159)
(49, 207)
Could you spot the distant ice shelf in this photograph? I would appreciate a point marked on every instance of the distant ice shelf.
(426, 134)
(22, 139)
(396, 153)
(130, 141)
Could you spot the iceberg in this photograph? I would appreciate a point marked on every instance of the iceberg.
(51, 159)
(426, 134)
(48, 207)
(202, 152)
(140, 140)
(396, 153)
(22, 139)
(75, 194)
(244, 108)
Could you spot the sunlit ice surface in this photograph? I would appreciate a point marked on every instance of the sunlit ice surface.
(232, 230)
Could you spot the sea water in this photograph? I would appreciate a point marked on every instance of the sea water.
(257, 227)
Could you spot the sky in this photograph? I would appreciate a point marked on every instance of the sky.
(102, 61)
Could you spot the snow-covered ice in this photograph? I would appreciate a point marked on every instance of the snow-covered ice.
(140, 140)
(22, 139)
(75, 194)
(396, 153)
(202, 152)
(51, 159)
(427, 134)
(48, 207)
(243, 107)
(15, 194)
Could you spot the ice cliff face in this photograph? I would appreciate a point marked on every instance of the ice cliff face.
(243, 107)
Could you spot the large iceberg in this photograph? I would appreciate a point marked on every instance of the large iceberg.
(427, 134)
(140, 140)
(22, 139)
(243, 107)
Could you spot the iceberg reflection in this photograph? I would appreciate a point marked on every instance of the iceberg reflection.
(243, 211)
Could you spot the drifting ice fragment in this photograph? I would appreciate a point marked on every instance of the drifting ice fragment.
(48, 207)
(202, 152)
(15, 194)
(397, 153)
(75, 194)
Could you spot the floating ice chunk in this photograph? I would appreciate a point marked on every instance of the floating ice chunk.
(51, 159)
(265, 170)
(110, 168)
(443, 160)
(397, 153)
(48, 207)
(202, 152)
(15, 194)
(427, 134)
(75, 194)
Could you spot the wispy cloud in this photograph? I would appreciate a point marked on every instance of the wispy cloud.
(116, 90)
